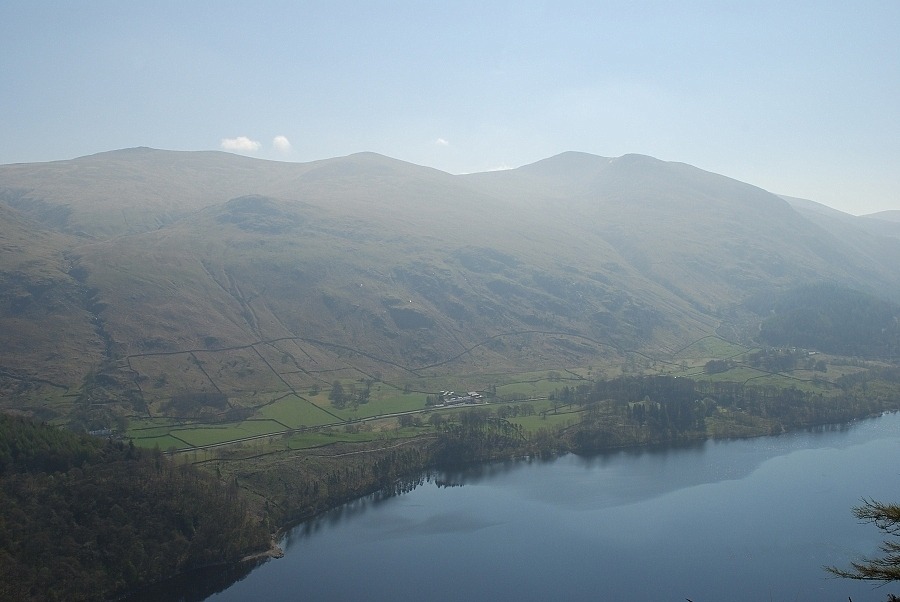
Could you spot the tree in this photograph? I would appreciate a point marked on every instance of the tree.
(337, 395)
(887, 567)
(716, 366)
(363, 395)
(407, 420)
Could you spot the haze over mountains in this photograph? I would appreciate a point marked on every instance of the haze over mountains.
(369, 265)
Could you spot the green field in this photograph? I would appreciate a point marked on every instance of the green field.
(320, 438)
(533, 388)
(804, 380)
(537, 422)
(227, 432)
(322, 423)
(294, 412)
(164, 442)
(317, 411)
(181, 436)
(383, 399)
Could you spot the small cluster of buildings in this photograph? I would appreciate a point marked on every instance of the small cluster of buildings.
(450, 398)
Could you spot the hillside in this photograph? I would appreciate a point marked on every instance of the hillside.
(834, 320)
(48, 338)
(137, 276)
(888, 216)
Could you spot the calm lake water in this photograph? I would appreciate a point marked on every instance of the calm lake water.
(751, 520)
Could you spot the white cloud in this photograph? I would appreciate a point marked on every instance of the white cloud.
(442, 142)
(241, 143)
(281, 144)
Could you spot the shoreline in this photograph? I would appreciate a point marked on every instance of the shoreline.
(275, 551)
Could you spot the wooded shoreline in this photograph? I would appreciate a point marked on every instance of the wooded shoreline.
(153, 519)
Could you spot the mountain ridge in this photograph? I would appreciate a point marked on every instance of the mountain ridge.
(370, 264)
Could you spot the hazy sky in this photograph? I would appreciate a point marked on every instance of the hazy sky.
(801, 98)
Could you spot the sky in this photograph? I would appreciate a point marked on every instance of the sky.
(800, 98)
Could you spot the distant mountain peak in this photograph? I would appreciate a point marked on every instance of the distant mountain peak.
(122, 152)
(637, 158)
(569, 162)
(581, 162)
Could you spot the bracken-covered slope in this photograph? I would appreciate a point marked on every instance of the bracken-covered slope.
(371, 264)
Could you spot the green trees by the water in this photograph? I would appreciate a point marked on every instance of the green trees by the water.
(477, 434)
(635, 410)
(640, 410)
(299, 484)
(84, 519)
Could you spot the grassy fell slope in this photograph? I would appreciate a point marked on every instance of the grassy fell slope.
(368, 266)
(47, 336)
(706, 238)
(870, 237)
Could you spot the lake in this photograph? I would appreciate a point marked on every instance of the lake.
(736, 520)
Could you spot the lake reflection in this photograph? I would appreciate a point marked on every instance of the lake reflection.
(729, 520)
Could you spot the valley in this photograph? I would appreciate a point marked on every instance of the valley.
(289, 329)
(136, 276)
